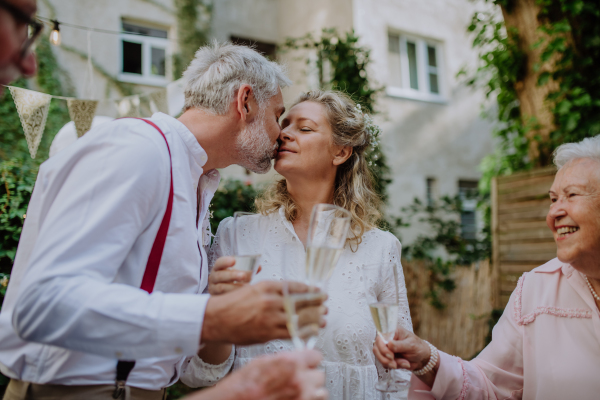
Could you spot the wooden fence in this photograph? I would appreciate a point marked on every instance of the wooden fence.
(521, 239)
(462, 326)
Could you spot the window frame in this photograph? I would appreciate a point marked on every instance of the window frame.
(147, 42)
(423, 69)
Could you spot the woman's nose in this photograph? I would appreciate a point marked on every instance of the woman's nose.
(285, 134)
(557, 209)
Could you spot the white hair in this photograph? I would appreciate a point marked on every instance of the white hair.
(587, 148)
(218, 70)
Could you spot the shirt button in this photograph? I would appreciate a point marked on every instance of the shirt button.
(178, 350)
(203, 158)
(119, 354)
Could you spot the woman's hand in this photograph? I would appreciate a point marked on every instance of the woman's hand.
(406, 350)
(224, 279)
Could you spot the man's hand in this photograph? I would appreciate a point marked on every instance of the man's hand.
(407, 351)
(285, 376)
(254, 314)
(223, 279)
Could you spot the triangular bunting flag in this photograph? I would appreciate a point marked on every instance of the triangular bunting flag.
(82, 114)
(158, 101)
(129, 107)
(33, 112)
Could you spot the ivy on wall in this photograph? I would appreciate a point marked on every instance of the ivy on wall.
(193, 25)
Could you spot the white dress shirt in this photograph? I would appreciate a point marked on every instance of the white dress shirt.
(346, 342)
(73, 305)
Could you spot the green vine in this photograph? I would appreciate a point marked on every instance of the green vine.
(193, 25)
(348, 64)
(572, 30)
(445, 248)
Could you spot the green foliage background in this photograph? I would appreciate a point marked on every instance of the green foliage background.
(573, 28)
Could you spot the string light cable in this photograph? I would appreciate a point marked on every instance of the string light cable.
(57, 24)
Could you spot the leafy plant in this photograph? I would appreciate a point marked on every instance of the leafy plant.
(443, 249)
(193, 25)
(232, 196)
(571, 41)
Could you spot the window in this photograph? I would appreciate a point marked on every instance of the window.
(268, 50)
(431, 191)
(144, 52)
(467, 191)
(414, 68)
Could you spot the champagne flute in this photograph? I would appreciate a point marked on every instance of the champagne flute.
(302, 325)
(327, 233)
(246, 243)
(381, 293)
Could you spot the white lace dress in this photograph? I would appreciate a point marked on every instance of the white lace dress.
(347, 341)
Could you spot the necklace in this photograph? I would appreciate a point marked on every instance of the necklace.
(592, 289)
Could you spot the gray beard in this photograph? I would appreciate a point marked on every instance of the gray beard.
(255, 148)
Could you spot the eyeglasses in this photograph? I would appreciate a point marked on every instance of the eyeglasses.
(34, 27)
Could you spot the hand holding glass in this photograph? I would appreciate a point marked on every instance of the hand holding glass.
(381, 292)
(246, 243)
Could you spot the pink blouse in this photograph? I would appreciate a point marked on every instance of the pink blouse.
(545, 346)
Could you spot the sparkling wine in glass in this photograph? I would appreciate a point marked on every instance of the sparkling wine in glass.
(381, 294)
(302, 322)
(327, 233)
(246, 240)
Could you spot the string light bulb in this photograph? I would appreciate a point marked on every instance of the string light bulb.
(55, 34)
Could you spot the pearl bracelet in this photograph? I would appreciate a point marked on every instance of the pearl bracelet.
(433, 359)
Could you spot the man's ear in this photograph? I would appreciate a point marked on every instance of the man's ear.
(246, 106)
(342, 154)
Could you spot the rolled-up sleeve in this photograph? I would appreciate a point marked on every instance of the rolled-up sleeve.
(93, 211)
(496, 373)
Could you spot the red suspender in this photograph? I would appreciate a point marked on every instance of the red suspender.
(159, 243)
(124, 367)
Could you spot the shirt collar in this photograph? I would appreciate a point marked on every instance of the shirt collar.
(187, 137)
(554, 265)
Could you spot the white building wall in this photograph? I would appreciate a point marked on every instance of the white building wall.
(447, 140)
(105, 14)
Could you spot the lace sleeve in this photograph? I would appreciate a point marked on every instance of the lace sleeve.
(197, 373)
(221, 243)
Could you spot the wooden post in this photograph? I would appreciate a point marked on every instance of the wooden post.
(495, 246)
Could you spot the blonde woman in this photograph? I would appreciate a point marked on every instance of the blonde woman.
(322, 160)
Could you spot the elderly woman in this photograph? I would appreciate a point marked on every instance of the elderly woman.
(547, 343)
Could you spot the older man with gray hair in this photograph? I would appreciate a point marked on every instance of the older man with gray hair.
(105, 300)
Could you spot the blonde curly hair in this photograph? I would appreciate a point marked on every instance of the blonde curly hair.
(354, 185)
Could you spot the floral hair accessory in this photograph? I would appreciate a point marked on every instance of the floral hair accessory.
(372, 129)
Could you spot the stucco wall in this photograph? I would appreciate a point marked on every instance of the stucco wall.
(448, 140)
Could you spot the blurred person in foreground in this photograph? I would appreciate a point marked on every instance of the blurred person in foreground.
(322, 158)
(547, 343)
(85, 316)
(18, 32)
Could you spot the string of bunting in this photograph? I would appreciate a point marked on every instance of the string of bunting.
(33, 106)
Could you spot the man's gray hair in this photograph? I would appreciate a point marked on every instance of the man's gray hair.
(587, 148)
(218, 70)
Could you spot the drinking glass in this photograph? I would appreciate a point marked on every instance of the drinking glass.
(246, 238)
(381, 293)
(301, 323)
(327, 233)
